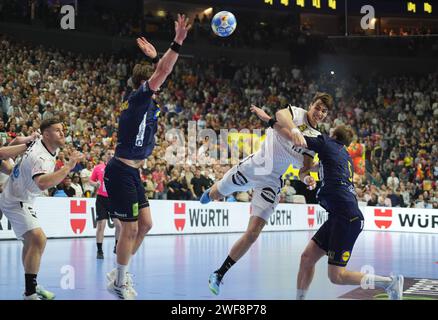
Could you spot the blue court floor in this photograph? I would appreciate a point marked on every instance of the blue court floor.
(177, 267)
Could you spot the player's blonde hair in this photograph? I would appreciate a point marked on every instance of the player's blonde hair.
(344, 134)
(141, 72)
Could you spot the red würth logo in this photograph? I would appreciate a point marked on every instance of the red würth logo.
(383, 218)
(311, 216)
(180, 215)
(78, 218)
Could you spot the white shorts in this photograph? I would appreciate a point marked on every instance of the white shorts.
(266, 189)
(21, 216)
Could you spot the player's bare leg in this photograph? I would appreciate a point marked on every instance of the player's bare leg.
(341, 276)
(211, 194)
(144, 225)
(117, 227)
(393, 285)
(309, 258)
(128, 236)
(255, 226)
(215, 194)
(99, 237)
(34, 244)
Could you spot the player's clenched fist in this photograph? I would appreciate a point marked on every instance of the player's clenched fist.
(74, 158)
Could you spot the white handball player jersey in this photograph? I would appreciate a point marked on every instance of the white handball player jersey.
(276, 153)
(35, 161)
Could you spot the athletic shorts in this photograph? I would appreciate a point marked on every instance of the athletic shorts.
(103, 208)
(338, 234)
(126, 192)
(266, 189)
(21, 216)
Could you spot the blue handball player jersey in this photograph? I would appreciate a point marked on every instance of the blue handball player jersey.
(137, 124)
(336, 168)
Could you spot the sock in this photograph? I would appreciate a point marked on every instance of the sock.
(31, 283)
(121, 274)
(301, 294)
(379, 281)
(99, 246)
(228, 263)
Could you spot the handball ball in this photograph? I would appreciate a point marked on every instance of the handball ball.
(223, 23)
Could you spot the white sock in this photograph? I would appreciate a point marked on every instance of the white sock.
(301, 294)
(121, 274)
(379, 281)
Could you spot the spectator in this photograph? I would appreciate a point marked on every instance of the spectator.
(67, 187)
(59, 191)
(150, 186)
(419, 203)
(288, 192)
(396, 198)
(392, 182)
(76, 185)
(199, 183)
(159, 179)
(174, 187)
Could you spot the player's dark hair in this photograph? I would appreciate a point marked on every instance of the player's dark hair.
(344, 134)
(47, 123)
(140, 73)
(326, 98)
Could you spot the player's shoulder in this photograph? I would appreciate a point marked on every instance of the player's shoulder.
(298, 114)
(39, 151)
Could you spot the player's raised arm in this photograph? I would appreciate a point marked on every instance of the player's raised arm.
(283, 124)
(24, 140)
(17, 146)
(46, 180)
(12, 151)
(166, 63)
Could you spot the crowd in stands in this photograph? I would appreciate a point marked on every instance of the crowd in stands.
(395, 118)
(279, 32)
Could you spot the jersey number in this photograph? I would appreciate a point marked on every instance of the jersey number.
(141, 131)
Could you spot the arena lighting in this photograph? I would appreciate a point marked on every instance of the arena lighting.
(412, 7)
(208, 11)
(427, 7)
(332, 72)
(161, 13)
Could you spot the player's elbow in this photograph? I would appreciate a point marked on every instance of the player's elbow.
(278, 114)
(41, 184)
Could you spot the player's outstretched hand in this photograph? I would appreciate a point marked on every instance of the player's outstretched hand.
(35, 135)
(74, 158)
(182, 26)
(25, 140)
(147, 48)
(260, 113)
(298, 138)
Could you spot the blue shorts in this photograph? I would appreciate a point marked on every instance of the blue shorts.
(338, 234)
(125, 190)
